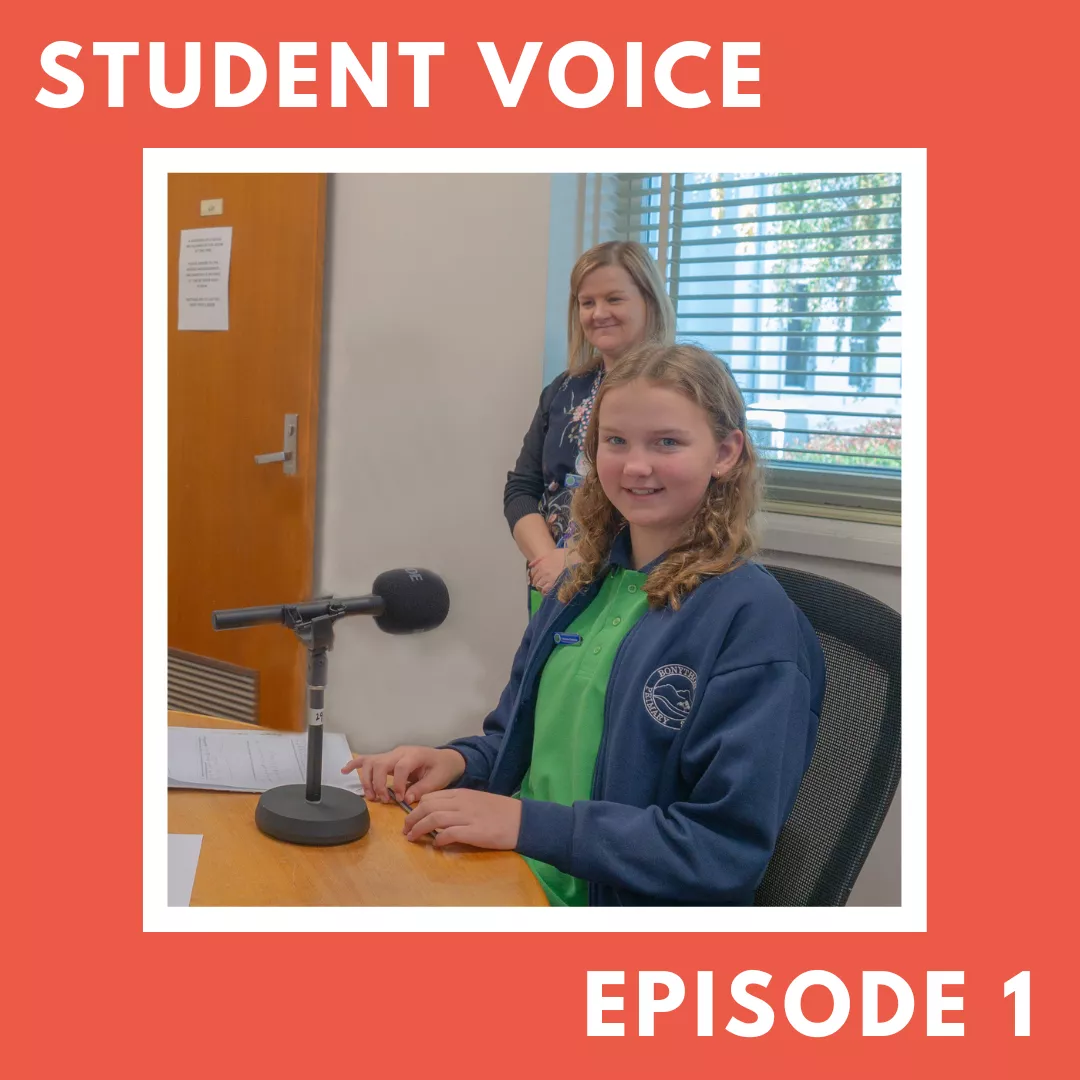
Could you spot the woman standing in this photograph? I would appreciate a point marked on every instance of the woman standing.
(617, 302)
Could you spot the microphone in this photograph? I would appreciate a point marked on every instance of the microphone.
(407, 601)
(412, 601)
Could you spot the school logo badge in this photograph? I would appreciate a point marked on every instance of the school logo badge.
(669, 694)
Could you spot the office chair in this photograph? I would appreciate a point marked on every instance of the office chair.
(854, 772)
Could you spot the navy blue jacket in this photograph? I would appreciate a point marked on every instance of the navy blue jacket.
(709, 723)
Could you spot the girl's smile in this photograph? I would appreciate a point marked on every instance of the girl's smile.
(655, 457)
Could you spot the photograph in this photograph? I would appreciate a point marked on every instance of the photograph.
(613, 460)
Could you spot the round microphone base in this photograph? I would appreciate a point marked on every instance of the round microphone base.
(339, 817)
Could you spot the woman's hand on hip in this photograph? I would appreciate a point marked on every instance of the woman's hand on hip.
(545, 571)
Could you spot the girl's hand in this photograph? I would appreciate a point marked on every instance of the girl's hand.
(416, 770)
(545, 571)
(467, 817)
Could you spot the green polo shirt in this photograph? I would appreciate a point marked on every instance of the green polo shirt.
(570, 711)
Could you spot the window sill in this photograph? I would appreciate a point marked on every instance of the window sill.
(827, 538)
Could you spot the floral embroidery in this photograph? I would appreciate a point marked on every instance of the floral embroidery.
(566, 475)
(579, 417)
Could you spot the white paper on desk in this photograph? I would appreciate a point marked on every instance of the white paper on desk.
(183, 859)
(252, 760)
(205, 255)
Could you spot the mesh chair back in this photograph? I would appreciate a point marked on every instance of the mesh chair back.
(855, 768)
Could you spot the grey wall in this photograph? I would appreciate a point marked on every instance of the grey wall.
(432, 365)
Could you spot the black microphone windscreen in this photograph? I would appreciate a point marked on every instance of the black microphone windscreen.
(413, 599)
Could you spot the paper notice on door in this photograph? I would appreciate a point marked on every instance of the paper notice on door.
(204, 278)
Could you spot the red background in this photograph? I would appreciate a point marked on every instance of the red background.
(986, 94)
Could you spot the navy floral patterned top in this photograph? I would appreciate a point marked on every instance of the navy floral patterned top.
(552, 462)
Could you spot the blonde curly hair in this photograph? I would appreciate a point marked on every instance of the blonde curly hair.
(720, 535)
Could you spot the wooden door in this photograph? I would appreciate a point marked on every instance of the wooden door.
(242, 534)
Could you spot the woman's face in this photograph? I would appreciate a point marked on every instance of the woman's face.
(612, 311)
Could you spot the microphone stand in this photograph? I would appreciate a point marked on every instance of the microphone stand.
(307, 813)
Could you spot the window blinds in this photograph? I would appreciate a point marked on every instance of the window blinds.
(793, 280)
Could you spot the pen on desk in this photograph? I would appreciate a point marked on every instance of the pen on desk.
(406, 807)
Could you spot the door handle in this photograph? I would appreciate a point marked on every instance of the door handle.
(287, 455)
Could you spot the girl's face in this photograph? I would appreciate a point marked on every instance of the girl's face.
(612, 311)
(655, 457)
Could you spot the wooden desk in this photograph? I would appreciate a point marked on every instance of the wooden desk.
(238, 865)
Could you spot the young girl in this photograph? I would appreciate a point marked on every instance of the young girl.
(663, 704)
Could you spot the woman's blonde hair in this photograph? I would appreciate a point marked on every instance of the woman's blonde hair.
(720, 535)
(639, 264)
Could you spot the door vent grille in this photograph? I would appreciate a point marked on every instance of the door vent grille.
(198, 684)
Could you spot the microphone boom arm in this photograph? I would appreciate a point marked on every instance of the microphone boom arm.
(286, 614)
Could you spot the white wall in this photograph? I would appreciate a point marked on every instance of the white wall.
(434, 336)
(433, 339)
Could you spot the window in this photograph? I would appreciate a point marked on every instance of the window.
(794, 281)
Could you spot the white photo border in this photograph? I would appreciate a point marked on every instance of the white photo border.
(910, 916)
